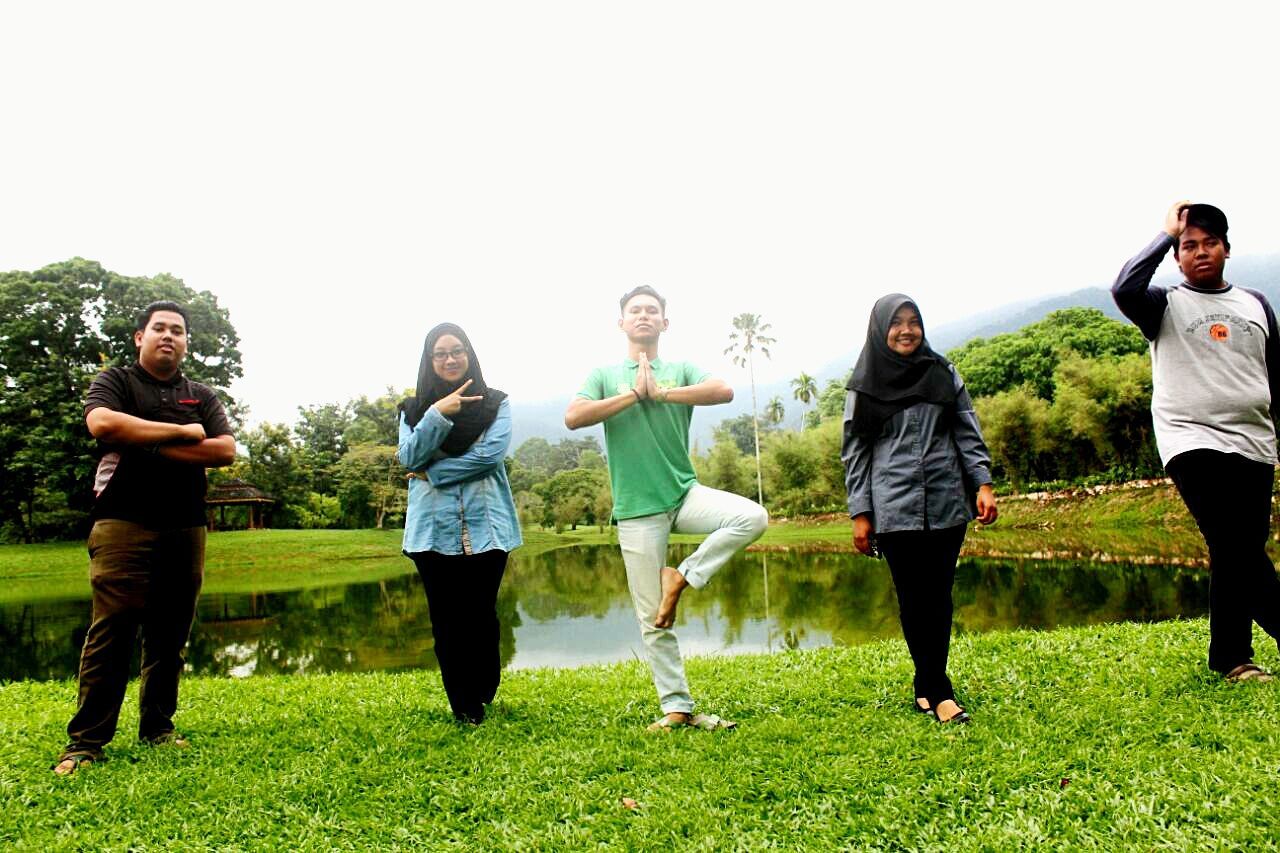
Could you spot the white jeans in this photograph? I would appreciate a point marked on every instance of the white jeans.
(733, 522)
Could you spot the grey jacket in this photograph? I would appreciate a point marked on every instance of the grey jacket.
(921, 473)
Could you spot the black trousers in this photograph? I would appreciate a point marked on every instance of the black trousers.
(1230, 498)
(143, 580)
(462, 598)
(923, 565)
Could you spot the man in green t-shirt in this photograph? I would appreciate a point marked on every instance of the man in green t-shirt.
(646, 405)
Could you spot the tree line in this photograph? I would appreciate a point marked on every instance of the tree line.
(1062, 399)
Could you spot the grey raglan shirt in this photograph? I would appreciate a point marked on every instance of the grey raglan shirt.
(1215, 360)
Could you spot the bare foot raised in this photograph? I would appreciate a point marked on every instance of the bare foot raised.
(673, 583)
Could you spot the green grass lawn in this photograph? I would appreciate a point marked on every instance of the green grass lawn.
(1101, 738)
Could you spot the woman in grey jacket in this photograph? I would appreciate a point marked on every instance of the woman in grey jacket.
(917, 472)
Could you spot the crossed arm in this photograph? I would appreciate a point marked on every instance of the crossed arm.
(179, 442)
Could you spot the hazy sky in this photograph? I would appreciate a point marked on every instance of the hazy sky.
(344, 176)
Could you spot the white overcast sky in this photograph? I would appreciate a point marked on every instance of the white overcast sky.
(344, 176)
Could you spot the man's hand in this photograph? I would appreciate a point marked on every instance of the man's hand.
(451, 404)
(192, 432)
(862, 532)
(1175, 221)
(650, 391)
(986, 505)
(642, 377)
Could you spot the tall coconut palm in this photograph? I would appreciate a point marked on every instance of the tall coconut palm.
(805, 389)
(748, 336)
(775, 411)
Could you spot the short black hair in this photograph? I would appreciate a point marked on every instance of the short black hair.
(642, 290)
(144, 316)
(1208, 219)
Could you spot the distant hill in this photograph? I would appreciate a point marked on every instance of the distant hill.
(545, 419)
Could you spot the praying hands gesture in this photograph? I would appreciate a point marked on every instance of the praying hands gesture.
(646, 386)
(451, 404)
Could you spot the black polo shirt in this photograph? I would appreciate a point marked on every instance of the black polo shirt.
(132, 482)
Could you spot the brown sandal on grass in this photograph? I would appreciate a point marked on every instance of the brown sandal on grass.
(1248, 672)
(78, 759)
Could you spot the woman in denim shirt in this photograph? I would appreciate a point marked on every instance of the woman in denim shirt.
(917, 472)
(461, 522)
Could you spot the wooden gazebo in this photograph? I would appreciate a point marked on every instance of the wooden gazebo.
(238, 493)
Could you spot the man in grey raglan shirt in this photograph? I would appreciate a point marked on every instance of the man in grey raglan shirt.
(1215, 369)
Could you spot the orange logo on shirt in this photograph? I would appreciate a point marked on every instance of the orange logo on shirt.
(1219, 332)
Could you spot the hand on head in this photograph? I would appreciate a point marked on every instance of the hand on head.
(450, 404)
(1175, 221)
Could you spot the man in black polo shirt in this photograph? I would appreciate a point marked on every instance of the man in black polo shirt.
(157, 431)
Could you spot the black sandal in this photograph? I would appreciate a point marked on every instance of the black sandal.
(78, 759)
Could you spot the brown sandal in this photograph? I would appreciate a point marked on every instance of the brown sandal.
(1248, 672)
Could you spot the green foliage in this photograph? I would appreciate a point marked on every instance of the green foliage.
(1015, 424)
(375, 421)
(59, 327)
(727, 467)
(321, 433)
(320, 512)
(740, 431)
(1030, 355)
(575, 496)
(799, 478)
(830, 403)
(371, 478)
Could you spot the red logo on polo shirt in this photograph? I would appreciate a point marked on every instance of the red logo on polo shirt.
(190, 402)
(1219, 332)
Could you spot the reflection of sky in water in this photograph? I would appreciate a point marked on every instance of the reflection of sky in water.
(580, 640)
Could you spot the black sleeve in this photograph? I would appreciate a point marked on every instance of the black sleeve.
(1272, 353)
(1135, 297)
(109, 390)
(213, 417)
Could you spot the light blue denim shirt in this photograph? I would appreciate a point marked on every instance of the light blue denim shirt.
(468, 492)
(922, 472)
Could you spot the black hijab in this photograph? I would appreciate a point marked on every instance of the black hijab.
(473, 418)
(887, 382)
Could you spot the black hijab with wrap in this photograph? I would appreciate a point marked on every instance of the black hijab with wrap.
(474, 418)
(887, 382)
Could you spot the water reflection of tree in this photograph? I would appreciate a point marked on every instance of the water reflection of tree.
(385, 625)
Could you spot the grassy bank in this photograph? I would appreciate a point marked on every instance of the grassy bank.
(1128, 524)
(1104, 738)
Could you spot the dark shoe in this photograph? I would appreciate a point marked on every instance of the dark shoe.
(1248, 672)
(167, 739)
(925, 709)
(73, 759)
(959, 717)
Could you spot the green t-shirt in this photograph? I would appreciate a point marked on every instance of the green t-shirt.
(648, 443)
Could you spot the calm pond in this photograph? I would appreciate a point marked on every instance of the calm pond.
(569, 607)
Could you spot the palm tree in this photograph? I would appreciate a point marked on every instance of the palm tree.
(805, 390)
(774, 411)
(748, 335)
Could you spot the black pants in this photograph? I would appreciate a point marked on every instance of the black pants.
(462, 598)
(143, 580)
(923, 564)
(1230, 498)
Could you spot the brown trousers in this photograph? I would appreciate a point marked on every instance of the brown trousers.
(144, 580)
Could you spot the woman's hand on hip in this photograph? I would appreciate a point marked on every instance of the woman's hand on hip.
(451, 404)
(986, 505)
(862, 533)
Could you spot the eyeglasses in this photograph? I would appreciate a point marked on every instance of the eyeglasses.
(444, 355)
